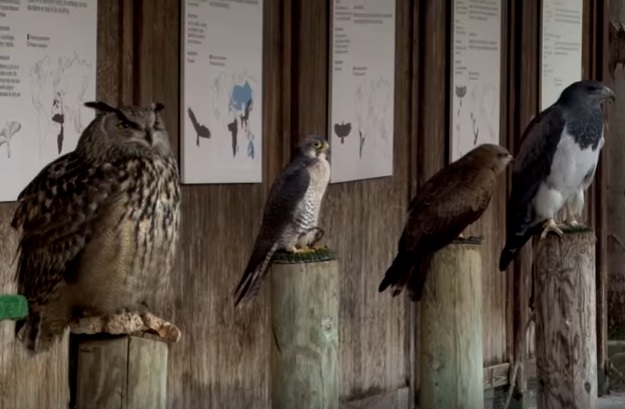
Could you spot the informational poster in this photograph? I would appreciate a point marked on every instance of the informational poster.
(475, 74)
(47, 73)
(222, 96)
(362, 78)
(561, 56)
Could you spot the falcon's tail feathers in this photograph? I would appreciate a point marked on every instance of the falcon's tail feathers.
(397, 274)
(254, 273)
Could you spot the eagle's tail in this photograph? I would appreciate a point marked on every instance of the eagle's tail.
(250, 282)
(514, 244)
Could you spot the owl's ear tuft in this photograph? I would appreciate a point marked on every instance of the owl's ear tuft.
(100, 106)
(157, 107)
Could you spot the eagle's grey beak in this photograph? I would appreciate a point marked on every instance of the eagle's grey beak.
(510, 158)
(607, 93)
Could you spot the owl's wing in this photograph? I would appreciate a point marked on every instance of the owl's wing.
(285, 196)
(57, 212)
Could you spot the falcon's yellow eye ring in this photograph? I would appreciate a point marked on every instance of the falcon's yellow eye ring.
(317, 144)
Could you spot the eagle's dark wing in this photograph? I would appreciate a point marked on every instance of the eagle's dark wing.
(449, 202)
(532, 165)
(285, 196)
(57, 213)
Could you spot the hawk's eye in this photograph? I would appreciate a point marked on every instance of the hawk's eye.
(123, 124)
(317, 144)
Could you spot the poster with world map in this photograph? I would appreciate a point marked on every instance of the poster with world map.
(222, 91)
(47, 72)
(362, 79)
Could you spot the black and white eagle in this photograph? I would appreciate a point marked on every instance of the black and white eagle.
(555, 164)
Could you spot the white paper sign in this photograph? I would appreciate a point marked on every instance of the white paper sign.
(47, 72)
(222, 72)
(475, 74)
(561, 56)
(362, 71)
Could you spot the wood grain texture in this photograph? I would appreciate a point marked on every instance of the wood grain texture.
(566, 343)
(397, 399)
(102, 371)
(452, 372)
(305, 324)
(147, 374)
(121, 373)
(363, 220)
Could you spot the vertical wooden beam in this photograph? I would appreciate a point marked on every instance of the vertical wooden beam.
(527, 43)
(601, 23)
(431, 106)
(566, 342)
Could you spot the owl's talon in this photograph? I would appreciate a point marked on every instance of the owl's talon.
(160, 327)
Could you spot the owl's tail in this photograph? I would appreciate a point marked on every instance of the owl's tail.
(256, 269)
(38, 333)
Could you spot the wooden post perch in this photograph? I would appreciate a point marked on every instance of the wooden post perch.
(305, 314)
(566, 343)
(122, 372)
(452, 372)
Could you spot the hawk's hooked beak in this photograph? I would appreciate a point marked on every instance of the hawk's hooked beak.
(607, 93)
(510, 158)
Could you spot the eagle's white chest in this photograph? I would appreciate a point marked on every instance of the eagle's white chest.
(572, 170)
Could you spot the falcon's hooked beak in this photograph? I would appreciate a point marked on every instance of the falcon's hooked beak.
(607, 93)
(326, 147)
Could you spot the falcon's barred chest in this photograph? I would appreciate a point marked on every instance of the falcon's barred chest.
(319, 179)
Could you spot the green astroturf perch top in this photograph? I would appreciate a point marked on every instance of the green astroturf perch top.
(13, 307)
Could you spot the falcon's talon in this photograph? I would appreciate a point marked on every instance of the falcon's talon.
(303, 250)
(461, 236)
(551, 226)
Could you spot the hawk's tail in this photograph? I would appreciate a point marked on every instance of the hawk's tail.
(250, 282)
(398, 273)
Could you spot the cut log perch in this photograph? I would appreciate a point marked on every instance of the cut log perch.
(452, 372)
(304, 315)
(566, 343)
(123, 372)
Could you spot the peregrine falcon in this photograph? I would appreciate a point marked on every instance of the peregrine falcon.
(447, 203)
(556, 163)
(291, 212)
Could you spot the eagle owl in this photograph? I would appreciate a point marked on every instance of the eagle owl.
(99, 225)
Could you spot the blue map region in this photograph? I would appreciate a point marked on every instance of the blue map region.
(241, 94)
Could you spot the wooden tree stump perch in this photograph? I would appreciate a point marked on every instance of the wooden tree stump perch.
(123, 372)
(304, 315)
(566, 344)
(452, 371)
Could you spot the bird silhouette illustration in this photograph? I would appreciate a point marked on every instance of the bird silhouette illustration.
(201, 130)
